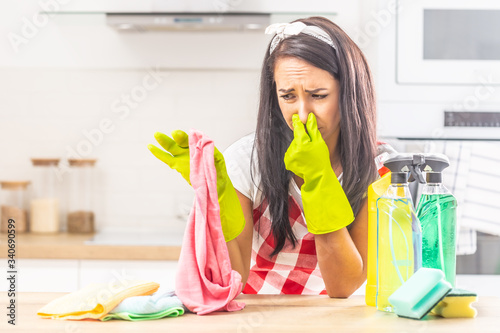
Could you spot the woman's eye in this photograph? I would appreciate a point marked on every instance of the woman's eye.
(287, 97)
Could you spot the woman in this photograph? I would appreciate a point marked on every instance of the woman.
(301, 179)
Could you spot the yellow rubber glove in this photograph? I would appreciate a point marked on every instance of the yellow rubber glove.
(176, 156)
(176, 153)
(326, 207)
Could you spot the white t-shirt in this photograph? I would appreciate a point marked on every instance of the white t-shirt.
(238, 158)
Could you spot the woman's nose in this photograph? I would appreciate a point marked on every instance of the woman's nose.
(303, 112)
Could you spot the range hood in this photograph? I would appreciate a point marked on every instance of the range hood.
(199, 15)
(188, 21)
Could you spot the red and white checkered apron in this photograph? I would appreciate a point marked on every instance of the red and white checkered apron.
(292, 270)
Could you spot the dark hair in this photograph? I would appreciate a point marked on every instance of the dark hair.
(357, 140)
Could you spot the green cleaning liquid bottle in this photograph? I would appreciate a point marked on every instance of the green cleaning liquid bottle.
(398, 232)
(437, 212)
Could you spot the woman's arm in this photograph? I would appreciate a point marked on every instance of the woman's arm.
(342, 256)
(240, 248)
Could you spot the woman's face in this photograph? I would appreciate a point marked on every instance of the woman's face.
(302, 89)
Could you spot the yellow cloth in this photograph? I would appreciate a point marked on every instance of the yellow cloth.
(95, 300)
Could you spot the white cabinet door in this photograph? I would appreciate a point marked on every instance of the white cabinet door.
(110, 271)
(43, 275)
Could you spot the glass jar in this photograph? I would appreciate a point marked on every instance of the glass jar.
(45, 201)
(81, 206)
(13, 201)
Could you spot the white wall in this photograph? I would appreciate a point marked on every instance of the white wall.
(47, 113)
(68, 76)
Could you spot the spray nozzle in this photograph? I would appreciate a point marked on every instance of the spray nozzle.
(399, 166)
(406, 163)
(434, 166)
(435, 163)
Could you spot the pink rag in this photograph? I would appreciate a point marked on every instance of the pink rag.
(205, 281)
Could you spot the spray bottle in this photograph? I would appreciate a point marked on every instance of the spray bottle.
(437, 212)
(375, 191)
(398, 229)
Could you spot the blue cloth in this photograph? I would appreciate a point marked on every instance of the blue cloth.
(158, 302)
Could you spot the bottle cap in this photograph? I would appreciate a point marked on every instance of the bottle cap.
(399, 177)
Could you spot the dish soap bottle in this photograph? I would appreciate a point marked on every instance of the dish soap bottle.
(398, 232)
(437, 212)
(375, 191)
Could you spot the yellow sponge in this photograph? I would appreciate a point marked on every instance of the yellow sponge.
(457, 304)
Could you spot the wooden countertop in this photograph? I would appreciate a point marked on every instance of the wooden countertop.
(72, 246)
(265, 313)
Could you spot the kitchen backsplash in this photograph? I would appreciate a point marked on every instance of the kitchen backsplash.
(111, 115)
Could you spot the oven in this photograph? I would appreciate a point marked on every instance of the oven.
(437, 71)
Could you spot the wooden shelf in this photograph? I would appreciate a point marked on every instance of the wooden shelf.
(72, 246)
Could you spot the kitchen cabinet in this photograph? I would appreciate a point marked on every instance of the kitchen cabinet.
(45, 276)
(52, 275)
(106, 271)
(65, 262)
(49, 275)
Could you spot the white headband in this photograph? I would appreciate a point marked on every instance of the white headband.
(285, 30)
